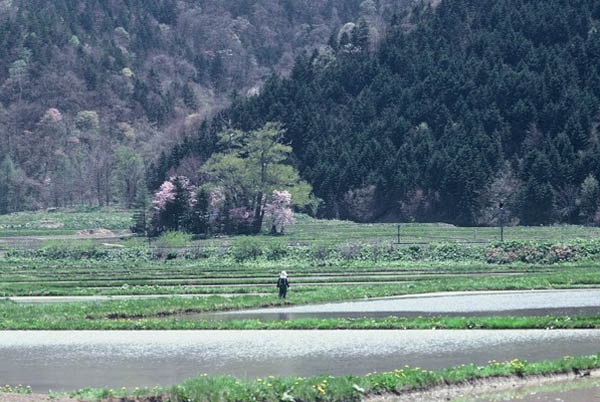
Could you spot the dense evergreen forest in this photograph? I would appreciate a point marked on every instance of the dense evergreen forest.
(92, 91)
(467, 106)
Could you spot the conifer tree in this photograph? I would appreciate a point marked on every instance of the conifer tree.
(141, 214)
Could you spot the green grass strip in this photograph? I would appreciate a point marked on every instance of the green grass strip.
(345, 388)
(403, 323)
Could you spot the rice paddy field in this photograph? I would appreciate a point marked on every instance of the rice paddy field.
(117, 281)
(326, 260)
(65, 260)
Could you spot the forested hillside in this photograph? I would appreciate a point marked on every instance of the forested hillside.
(479, 104)
(92, 91)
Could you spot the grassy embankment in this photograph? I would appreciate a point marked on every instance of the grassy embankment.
(345, 388)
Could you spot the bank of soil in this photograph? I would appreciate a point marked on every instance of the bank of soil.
(480, 386)
(33, 398)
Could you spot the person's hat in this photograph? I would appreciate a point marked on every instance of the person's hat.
(283, 274)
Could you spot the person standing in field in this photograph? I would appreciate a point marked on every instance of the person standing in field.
(283, 284)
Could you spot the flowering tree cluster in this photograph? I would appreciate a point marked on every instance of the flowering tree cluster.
(164, 196)
(171, 204)
(178, 205)
(253, 172)
(278, 211)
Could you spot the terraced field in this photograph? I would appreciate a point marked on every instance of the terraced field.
(54, 278)
(65, 223)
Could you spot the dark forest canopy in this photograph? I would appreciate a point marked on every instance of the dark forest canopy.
(477, 103)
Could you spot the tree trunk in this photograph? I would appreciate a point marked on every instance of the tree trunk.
(258, 215)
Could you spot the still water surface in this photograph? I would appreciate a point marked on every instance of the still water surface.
(66, 360)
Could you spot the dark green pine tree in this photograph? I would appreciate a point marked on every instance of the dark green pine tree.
(141, 212)
(537, 204)
(197, 220)
(9, 189)
(178, 209)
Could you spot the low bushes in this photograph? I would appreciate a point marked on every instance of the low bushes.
(543, 253)
(255, 248)
(245, 248)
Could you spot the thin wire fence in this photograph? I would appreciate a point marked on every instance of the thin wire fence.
(339, 232)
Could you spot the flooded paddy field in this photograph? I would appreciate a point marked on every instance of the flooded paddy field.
(505, 303)
(66, 360)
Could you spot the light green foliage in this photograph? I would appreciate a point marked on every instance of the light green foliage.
(127, 72)
(253, 165)
(121, 33)
(87, 120)
(75, 41)
(59, 249)
(18, 69)
(245, 248)
(129, 173)
(353, 388)
(174, 239)
(277, 250)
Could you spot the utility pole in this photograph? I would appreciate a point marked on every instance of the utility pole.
(501, 219)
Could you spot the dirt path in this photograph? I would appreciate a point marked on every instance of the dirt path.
(448, 393)
(438, 394)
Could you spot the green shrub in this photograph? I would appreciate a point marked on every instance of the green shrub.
(410, 253)
(245, 248)
(71, 249)
(174, 239)
(277, 250)
(320, 251)
(196, 253)
(351, 251)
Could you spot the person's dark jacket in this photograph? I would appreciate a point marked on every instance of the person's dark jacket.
(283, 283)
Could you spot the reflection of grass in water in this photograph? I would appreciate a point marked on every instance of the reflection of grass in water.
(525, 391)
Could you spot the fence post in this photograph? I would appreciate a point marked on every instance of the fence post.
(501, 216)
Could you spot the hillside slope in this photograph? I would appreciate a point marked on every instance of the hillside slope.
(79, 79)
(482, 104)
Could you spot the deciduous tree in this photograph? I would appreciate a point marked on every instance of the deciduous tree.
(252, 165)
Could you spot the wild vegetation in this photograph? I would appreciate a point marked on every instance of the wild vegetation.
(246, 184)
(346, 388)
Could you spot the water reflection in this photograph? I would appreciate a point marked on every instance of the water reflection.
(584, 302)
(266, 315)
(66, 360)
